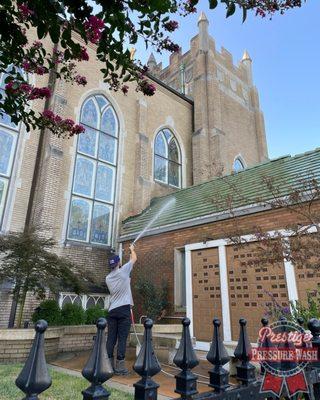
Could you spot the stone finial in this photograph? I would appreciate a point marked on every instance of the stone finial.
(132, 52)
(203, 18)
(247, 64)
(152, 62)
(203, 25)
(246, 56)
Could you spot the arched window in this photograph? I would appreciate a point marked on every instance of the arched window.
(93, 191)
(238, 165)
(167, 159)
(9, 133)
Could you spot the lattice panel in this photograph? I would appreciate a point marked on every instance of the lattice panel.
(248, 286)
(206, 292)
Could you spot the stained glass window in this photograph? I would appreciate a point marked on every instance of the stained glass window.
(238, 165)
(8, 143)
(167, 159)
(93, 193)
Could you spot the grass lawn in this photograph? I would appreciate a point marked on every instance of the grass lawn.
(64, 387)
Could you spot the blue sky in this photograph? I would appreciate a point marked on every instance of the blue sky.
(286, 66)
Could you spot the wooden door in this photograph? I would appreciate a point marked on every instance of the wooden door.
(206, 292)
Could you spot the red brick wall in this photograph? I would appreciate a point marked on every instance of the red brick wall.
(156, 253)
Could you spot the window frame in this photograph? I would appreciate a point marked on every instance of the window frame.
(241, 161)
(167, 159)
(92, 200)
(16, 133)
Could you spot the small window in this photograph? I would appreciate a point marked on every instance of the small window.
(167, 159)
(238, 165)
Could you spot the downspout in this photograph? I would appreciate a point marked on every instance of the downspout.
(36, 173)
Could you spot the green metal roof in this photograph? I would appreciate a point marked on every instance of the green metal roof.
(203, 200)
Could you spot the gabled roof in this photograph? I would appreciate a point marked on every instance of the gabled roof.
(200, 201)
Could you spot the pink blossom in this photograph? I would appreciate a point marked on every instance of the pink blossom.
(37, 44)
(68, 123)
(40, 93)
(260, 12)
(125, 89)
(167, 44)
(84, 56)
(81, 80)
(171, 26)
(59, 56)
(147, 88)
(48, 114)
(10, 87)
(26, 65)
(25, 87)
(57, 119)
(40, 70)
(77, 129)
(24, 11)
(94, 27)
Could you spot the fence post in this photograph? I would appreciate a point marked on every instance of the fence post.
(245, 371)
(97, 369)
(218, 356)
(186, 359)
(146, 365)
(34, 377)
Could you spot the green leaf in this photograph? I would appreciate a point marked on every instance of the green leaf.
(54, 33)
(213, 4)
(231, 9)
(244, 14)
(41, 31)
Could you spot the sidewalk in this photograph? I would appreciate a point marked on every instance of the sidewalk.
(72, 363)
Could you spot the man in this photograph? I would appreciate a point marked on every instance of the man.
(119, 316)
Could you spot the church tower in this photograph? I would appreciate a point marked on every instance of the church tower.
(228, 122)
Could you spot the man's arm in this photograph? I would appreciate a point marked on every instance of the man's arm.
(133, 254)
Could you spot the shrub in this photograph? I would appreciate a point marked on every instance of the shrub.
(154, 299)
(297, 309)
(73, 314)
(94, 313)
(48, 310)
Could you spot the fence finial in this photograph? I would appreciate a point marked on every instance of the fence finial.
(97, 369)
(314, 326)
(34, 377)
(146, 365)
(218, 356)
(245, 371)
(186, 359)
(300, 321)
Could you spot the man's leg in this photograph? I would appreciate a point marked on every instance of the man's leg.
(112, 335)
(124, 323)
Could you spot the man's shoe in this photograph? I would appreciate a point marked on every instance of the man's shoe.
(120, 368)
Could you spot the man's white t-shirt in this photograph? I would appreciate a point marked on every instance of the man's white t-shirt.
(118, 282)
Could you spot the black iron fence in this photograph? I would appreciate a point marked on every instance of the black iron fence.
(35, 379)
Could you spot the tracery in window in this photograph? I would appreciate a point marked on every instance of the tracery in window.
(93, 191)
(238, 165)
(167, 159)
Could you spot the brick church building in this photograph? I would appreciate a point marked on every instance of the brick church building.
(203, 122)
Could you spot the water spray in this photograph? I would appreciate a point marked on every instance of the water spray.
(169, 203)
